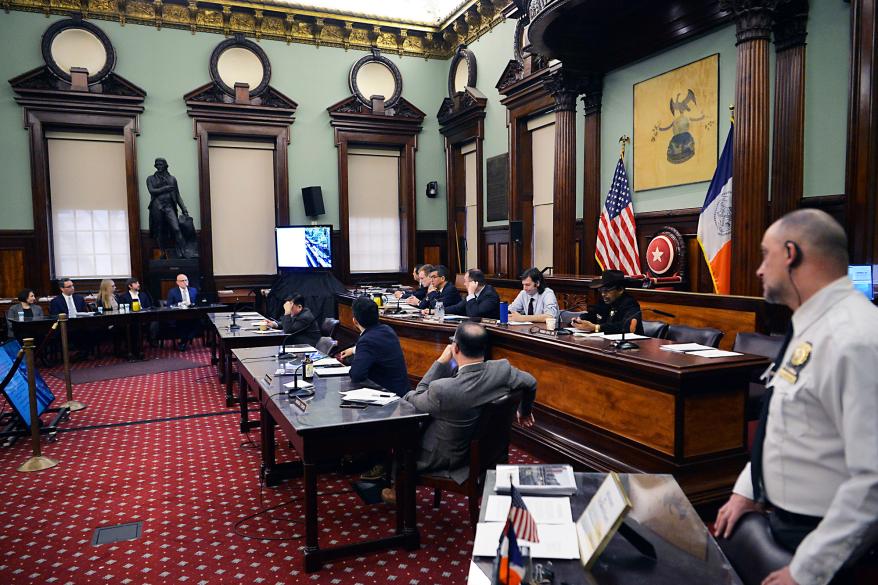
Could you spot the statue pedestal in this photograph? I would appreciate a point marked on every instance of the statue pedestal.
(162, 275)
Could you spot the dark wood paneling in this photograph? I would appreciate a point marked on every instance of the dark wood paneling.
(19, 266)
(431, 246)
(861, 176)
(496, 251)
(564, 179)
(591, 197)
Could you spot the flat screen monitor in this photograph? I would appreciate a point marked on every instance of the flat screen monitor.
(303, 246)
(861, 276)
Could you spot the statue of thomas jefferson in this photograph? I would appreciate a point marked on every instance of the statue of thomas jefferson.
(164, 226)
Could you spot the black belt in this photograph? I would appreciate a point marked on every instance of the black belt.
(802, 520)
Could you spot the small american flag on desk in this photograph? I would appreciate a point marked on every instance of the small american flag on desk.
(616, 247)
(522, 521)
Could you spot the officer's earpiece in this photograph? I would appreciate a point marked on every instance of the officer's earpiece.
(794, 253)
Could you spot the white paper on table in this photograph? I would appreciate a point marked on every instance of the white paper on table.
(287, 369)
(253, 318)
(336, 371)
(545, 510)
(521, 323)
(714, 353)
(685, 347)
(303, 349)
(618, 336)
(327, 361)
(476, 576)
(264, 331)
(557, 541)
(578, 333)
(300, 383)
(455, 317)
(369, 396)
(250, 314)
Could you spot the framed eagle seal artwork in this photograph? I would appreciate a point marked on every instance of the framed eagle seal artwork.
(675, 126)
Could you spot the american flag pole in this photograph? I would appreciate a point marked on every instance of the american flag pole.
(616, 246)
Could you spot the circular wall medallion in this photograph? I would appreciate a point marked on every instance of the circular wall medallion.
(376, 75)
(238, 60)
(660, 255)
(76, 43)
(462, 73)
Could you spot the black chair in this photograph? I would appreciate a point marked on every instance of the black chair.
(758, 344)
(752, 549)
(657, 329)
(326, 345)
(488, 447)
(703, 335)
(567, 316)
(329, 327)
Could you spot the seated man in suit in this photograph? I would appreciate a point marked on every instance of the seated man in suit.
(444, 291)
(402, 294)
(298, 321)
(377, 356)
(536, 302)
(71, 303)
(455, 399)
(617, 312)
(68, 301)
(425, 287)
(129, 297)
(482, 301)
(185, 296)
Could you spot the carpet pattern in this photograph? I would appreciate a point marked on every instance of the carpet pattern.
(190, 481)
(101, 373)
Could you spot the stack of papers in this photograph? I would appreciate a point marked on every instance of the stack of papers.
(557, 541)
(369, 396)
(685, 347)
(536, 479)
(333, 371)
(327, 362)
(714, 353)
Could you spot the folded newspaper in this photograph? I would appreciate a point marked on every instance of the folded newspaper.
(536, 479)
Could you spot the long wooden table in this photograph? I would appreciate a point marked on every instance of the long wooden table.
(324, 433)
(640, 411)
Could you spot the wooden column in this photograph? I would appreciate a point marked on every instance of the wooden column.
(788, 149)
(563, 252)
(861, 177)
(591, 198)
(753, 19)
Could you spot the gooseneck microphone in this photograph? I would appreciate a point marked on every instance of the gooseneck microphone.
(234, 326)
(626, 322)
(283, 348)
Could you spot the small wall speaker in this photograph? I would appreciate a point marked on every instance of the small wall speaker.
(313, 199)
(432, 189)
(516, 232)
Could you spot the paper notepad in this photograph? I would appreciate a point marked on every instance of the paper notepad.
(327, 361)
(369, 396)
(557, 541)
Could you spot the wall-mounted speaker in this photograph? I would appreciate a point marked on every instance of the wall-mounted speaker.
(313, 199)
(432, 189)
(516, 232)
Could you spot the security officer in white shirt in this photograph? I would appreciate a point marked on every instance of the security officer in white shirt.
(814, 464)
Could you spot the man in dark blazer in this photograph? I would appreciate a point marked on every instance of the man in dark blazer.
(445, 291)
(455, 399)
(67, 301)
(482, 300)
(186, 296)
(377, 356)
(299, 321)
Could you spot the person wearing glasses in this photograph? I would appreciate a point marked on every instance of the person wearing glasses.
(617, 312)
(482, 300)
(444, 290)
(536, 302)
(183, 295)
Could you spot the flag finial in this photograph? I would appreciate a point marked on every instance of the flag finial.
(732, 113)
(623, 140)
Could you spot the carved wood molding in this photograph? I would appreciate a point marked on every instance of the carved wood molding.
(280, 22)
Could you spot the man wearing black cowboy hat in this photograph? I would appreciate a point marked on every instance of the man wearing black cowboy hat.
(617, 312)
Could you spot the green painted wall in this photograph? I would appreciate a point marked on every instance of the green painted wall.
(168, 63)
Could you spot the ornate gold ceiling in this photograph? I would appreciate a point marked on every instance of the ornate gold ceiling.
(260, 20)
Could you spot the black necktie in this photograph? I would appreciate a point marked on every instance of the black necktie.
(530, 307)
(759, 437)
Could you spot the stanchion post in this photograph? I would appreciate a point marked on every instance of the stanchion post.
(36, 462)
(71, 405)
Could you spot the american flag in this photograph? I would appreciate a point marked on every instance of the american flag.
(616, 248)
(521, 520)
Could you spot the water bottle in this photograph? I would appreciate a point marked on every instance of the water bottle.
(504, 313)
(440, 311)
(21, 315)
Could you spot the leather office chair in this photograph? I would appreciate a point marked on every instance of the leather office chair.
(329, 327)
(657, 329)
(567, 316)
(752, 549)
(326, 345)
(488, 447)
(703, 335)
(758, 344)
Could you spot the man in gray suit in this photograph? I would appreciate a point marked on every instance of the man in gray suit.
(455, 400)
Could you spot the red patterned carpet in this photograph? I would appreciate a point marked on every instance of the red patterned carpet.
(190, 481)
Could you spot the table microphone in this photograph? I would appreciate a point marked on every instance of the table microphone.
(234, 326)
(622, 344)
(283, 348)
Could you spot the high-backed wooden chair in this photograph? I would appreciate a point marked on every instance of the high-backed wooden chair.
(488, 447)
